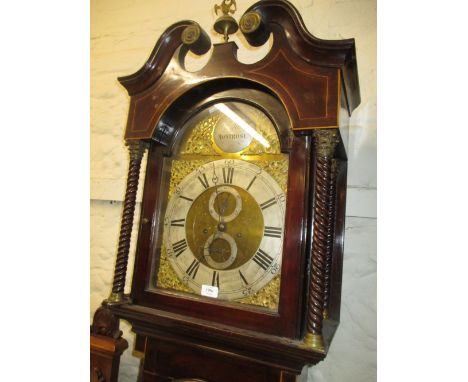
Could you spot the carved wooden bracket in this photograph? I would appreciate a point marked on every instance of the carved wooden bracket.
(105, 358)
(105, 323)
(107, 346)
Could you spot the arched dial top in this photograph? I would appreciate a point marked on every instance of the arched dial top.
(224, 228)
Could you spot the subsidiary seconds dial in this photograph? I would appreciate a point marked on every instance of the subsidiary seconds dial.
(224, 228)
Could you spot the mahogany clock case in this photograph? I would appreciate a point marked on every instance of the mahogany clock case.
(164, 97)
(298, 229)
(284, 322)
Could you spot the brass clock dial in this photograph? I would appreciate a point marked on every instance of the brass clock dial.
(224, 228)
(223, 219)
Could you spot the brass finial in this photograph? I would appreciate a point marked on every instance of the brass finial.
(226, 24)
(226, 6)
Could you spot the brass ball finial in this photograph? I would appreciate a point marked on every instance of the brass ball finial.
(250, 22)
(226, 24)
(196, 39)
(191, 34)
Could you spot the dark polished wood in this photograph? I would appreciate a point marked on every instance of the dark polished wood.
(271, 351)
(310, 92)
(334, 304)
(303, 84)
(136, 150)
(106, 345)
(325, 142)
(330, 234)
(287, 321)
(105, 358)
(330, 53)
(188, 362)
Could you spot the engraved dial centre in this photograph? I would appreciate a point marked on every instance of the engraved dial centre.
(233, 223)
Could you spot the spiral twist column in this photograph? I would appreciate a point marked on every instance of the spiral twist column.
(136, 150)
(330, 234)
(325, 142)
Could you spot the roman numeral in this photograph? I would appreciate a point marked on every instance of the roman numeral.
(184, 197)
(179, 247)
(179, 223)
(193, 269)
(228, 175)
(243, 278)
(251, 182)
(204, 181)
(268, 203)
(215, 280)
(273, 231)
(262, 259)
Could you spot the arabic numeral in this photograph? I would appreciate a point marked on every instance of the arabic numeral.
(178, 191)
(247, 291)
(281, 198)
(275, 268)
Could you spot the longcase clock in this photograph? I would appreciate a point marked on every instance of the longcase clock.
(238, 264)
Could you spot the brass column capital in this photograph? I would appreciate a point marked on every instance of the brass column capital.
(136, 149)
(326, 141)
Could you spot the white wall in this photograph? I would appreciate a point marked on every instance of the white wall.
(123, 33)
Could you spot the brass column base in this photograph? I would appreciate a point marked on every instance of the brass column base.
(314, 341)
(118, 299)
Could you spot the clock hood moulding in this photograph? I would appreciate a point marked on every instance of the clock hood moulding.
(321, 71)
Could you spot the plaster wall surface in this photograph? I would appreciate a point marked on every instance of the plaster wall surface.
(123, 33)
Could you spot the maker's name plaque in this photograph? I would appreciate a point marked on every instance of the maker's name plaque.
(230, 137)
